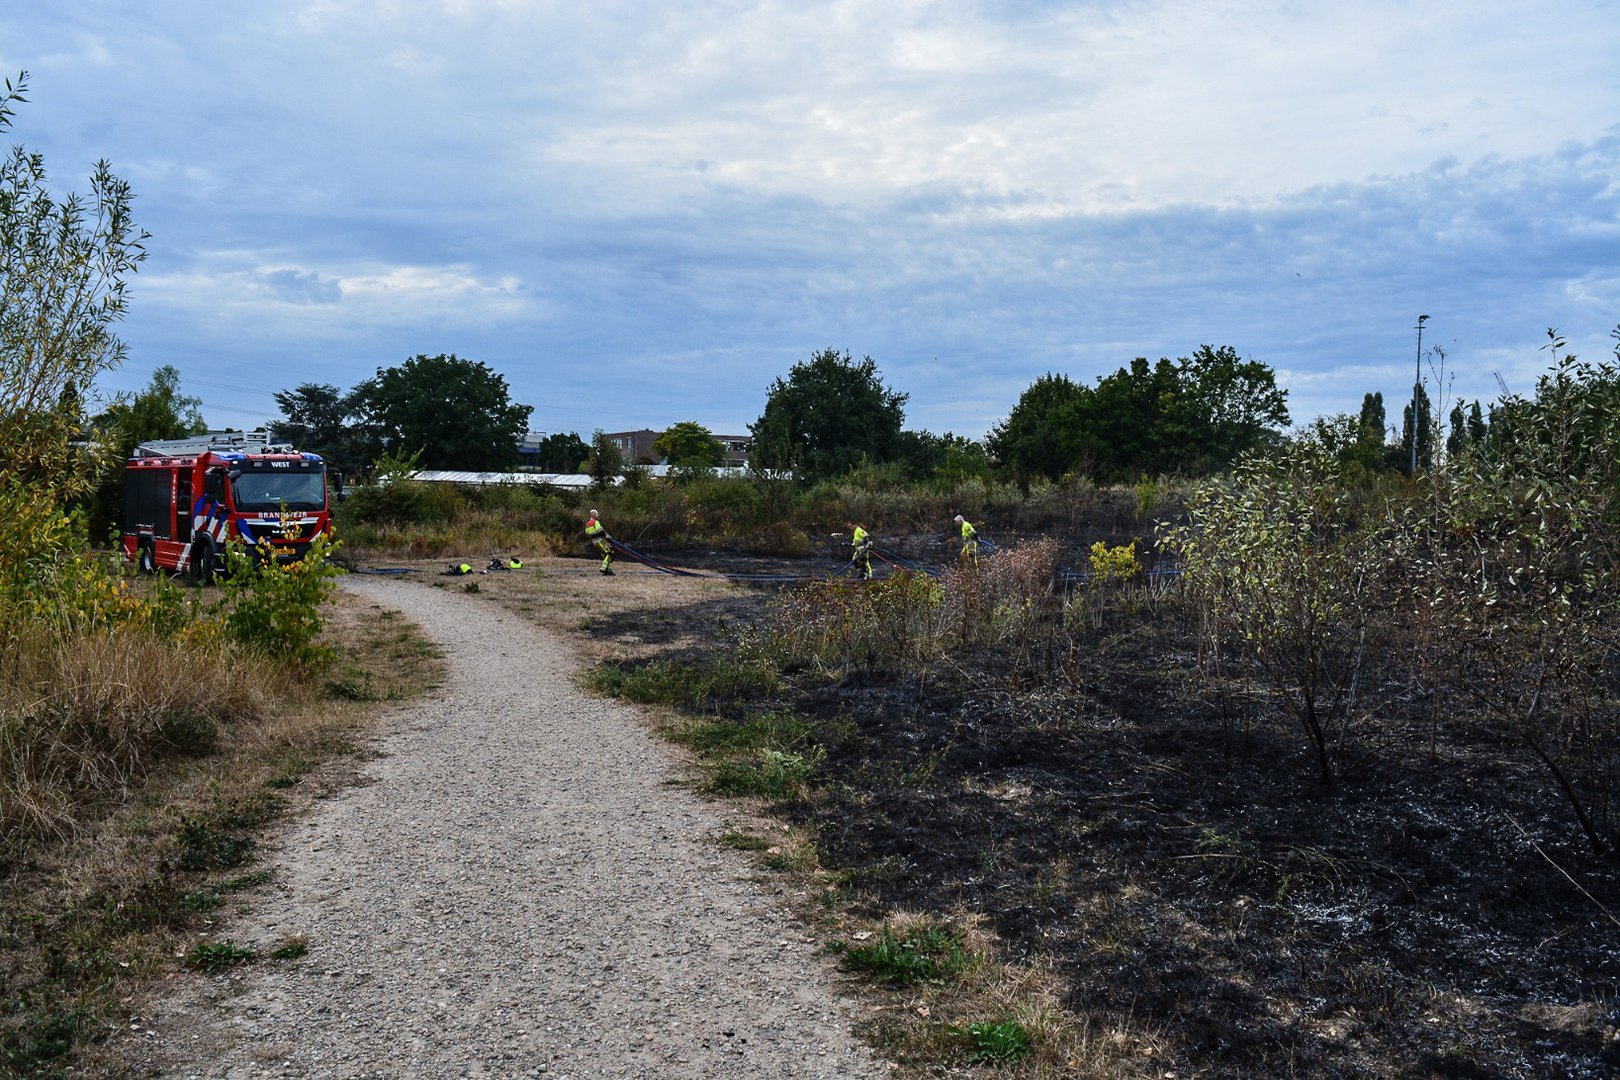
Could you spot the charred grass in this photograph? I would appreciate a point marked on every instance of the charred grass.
(1146, 873)
(131, 879)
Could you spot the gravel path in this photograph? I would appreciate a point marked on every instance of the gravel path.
(520, 892)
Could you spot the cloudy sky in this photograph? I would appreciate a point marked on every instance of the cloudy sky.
(642, 213)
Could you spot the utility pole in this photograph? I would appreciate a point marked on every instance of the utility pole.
(1417, 388)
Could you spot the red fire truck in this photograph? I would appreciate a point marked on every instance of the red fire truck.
(185, 498)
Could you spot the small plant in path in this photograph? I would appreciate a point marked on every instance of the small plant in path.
(276, 608)
(924, 953)
(291, 948)
(213, 956)
(1001, 1042)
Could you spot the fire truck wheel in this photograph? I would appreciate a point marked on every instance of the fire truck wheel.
(202, 563)
(148, 562)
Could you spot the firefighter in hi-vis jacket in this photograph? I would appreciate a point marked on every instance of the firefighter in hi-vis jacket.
(860, 552)
(970, 542)
(604, 543)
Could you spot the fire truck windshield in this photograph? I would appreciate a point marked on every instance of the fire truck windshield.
(271, 491)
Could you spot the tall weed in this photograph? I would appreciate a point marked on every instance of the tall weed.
(1491, 580)
(908, 620)
(1010, 599)
(884, 624)
(103, 676)
(1517, 581)
(1110, 583)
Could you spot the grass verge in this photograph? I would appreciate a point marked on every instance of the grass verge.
(90, 922)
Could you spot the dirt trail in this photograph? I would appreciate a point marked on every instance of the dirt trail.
(519, 892)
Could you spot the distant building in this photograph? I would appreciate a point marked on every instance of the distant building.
(637, 447)
(737, 449)
(573, 481)
(529, 449)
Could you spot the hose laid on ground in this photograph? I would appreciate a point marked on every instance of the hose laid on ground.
(888, 557)
(1074, 576)
(884, 555)
(657, 567)
(631, 553)
(899, 562)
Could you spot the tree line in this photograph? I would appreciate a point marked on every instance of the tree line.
(826, 417)
(1193, 416)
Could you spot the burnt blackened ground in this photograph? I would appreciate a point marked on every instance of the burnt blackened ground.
(1185, 870)
(1396, 924)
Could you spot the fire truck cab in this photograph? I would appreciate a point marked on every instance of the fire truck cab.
(184, 499)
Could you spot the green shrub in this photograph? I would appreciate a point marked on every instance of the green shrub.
(769, 773)
(188, 731)
(44, 1039)
(780, 539)
(205, 847)
(1286, 577)
(969, 496)
(275, 608)
(1518, 584)
(1111, 564)
(396, 502)
(775, 728)
(291, 948)
(725, 506)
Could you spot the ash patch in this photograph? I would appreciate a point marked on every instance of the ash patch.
(697, 628)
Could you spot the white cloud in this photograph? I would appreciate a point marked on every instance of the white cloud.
(402, 295)
(297, 287)
(438, 291)
(1094, 109)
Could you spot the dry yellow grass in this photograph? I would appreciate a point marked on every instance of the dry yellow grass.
(87, 716)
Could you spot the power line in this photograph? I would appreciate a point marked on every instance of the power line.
(187, 380)
(257, 415)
